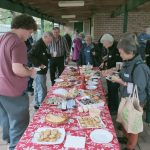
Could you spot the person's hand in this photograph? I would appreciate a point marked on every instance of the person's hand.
(42, 66)
(118, 80)
(107, 72)
(93, 53)
(32, 72)
(105, 58)
(101, 66)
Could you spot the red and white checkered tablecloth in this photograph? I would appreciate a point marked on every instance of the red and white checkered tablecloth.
(71, 127)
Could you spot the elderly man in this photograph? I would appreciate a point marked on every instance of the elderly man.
(58, 48)
(39, 57)
(89, 53)
(14, 102)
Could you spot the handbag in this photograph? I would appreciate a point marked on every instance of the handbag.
(130, 113)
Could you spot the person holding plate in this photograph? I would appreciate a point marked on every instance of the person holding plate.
(14, 74)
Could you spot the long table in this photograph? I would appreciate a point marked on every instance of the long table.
(71, 127)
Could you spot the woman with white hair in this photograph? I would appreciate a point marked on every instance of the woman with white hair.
(110, 56)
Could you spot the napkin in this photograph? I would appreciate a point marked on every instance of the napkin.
(71, 141)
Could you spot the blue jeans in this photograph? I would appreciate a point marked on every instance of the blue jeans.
(14, 113)
(40, 89)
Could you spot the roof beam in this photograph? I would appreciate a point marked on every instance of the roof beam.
(131, 4)
(10, 5)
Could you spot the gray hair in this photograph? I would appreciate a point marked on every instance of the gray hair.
(127, 45)
(48, 33)
(88, 36)
(131, 37)
(107, 38)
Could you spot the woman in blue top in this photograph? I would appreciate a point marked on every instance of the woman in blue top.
(88, 53)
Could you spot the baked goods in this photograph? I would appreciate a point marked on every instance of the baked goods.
(49, 135)
(56, 119)
(54, 100)
(90, 122)
(64, 84)
(72, 93)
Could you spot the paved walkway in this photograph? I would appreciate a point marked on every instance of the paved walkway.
(144, 137)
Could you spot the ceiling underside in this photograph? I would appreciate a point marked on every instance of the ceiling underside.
(50, 8)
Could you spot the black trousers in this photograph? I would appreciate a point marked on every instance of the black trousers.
(56, 64)
(113, 98)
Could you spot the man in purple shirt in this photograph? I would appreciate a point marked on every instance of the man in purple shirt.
(14, 102)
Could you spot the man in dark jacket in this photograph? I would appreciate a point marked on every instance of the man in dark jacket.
(39, 57)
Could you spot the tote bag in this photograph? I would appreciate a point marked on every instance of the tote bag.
(130, 113)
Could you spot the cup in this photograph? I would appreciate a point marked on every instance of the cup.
(119, 65)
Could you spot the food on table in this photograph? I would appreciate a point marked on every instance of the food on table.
(91, 87)
(90, 100)
(54, 100)
(70, 73)
(72, 79)
(49, 135)
(112, 77)
(85, 109)
(64, 84)
(60, 91)
(90, 122)
(56, 119)
(59, 80)
(94, 112)
(73, 69)
(80, 109)
(72, 93)
(97, 73)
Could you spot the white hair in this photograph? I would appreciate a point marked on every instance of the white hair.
(107, 38)
(48, 33)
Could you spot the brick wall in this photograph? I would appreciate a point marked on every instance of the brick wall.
(104, 24)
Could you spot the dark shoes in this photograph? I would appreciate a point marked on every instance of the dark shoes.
(122, 140)
(36, 107)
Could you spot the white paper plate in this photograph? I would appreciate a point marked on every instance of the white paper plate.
(37, 68)
(101, 136)
(91, 87)
(58, 141)
(60, 91)
(59, 80)
(76, 142)
(91, 83)
(95, 77)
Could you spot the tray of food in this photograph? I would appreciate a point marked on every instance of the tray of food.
(60, 91)
(72, 93)
(90, 122)
(64, 84)
(54, 100)
(56, 118)
(48, 136)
